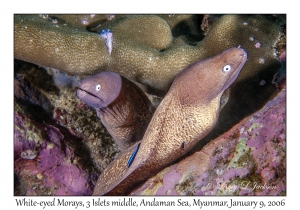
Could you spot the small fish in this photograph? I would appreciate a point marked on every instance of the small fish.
(107, 35)
(131, 159)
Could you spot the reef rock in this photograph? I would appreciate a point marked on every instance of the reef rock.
(48, 159)
(249, 159)
(44, 163)
(45, 101)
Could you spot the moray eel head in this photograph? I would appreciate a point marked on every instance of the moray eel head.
(123, 108)
(100, 90)
(210, 77)
(232, 64)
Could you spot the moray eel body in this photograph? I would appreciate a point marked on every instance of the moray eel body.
(123, 108)
(188, 113)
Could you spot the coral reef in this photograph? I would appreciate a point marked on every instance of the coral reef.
(72, 44)
(84, 147)
(148, 49)
(146, 53)
(249, 159)
(66, 110)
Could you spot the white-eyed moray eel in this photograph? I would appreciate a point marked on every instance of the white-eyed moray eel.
(123, 107)
(186, 115)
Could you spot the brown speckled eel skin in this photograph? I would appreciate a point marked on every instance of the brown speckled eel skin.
(188, 113)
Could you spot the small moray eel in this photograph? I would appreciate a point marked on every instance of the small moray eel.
(122, 106)
(187, 114)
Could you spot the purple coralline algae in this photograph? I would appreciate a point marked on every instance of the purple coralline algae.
(249, 159)
(44, 163)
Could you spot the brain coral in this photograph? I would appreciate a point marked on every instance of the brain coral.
(144, 48)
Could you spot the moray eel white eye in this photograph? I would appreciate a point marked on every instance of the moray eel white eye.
(227, 68)
(97, 87)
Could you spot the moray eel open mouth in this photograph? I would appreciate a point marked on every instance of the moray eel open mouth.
(84, 93)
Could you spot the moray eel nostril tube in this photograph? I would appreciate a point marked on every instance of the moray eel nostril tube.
(123, 108)
(187, 114)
